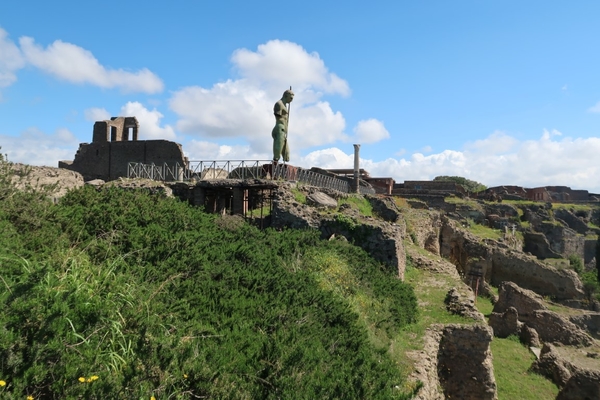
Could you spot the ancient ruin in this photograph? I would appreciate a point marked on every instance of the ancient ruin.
(456, 359)
(115, 144)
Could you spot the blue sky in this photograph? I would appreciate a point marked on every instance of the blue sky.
(501, 92)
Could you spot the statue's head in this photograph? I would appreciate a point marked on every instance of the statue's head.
(288, 96)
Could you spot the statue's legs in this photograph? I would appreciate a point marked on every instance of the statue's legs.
(278, 135)
(286, 151)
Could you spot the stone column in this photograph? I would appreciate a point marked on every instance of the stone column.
(356, 183)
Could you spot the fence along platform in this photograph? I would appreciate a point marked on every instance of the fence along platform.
(238, 169)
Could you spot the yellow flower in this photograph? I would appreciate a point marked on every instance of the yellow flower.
(93, 378)
(81, 379)
(185, 376)
(2, 383)
(29, 397)
(152, 398)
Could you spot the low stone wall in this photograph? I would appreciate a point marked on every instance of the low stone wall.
(576, 383)
(499, 263)
(551, 327)
(426, 366)
(512, 295)
(455, 363)
(465, 365)
(517, 307)
(531, 274)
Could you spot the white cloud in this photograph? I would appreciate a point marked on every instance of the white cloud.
(243, 108)
(281, 63)
(316, 125)
(35, 147)
(370, 131)
(595, 108)
(328, 158)
(96, 114)
(210, 151)
(497, 143)
(74, 64)
(11, 60)
(229, 109)
(149, 122)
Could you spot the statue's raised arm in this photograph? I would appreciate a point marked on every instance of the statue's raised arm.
(280, 131)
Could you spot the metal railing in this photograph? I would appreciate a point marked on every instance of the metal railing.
(237, 169)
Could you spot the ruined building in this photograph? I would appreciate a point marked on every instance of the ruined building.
(115, 144)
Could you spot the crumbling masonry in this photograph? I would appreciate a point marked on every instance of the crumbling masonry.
(115, 144)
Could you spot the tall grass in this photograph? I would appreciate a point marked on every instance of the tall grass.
(121, 294)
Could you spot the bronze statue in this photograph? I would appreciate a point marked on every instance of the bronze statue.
(280, 131)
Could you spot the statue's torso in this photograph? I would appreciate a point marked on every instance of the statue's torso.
(281, 112)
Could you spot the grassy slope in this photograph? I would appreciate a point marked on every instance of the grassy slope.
(117, 294)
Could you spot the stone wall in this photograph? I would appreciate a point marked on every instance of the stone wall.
(573, 221)
(465, 365)
(517, 306)
(531, 274)
(455, 363)
(109, 160)
(499, 263)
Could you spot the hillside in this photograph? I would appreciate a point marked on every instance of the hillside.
(123, 294)
(120, 291)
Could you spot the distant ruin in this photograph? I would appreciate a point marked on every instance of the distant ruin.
(115, 144)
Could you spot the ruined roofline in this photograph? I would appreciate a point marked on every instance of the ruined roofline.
(116, 129)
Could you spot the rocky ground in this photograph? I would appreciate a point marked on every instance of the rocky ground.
(57, 181)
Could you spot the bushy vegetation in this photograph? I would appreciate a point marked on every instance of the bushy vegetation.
(122, 294)
(598, 259)
(468, 184)
(576, 263)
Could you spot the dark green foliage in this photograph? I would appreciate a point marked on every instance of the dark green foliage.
(139, 295)
(576, 263)
(591, 287)
(598, 259)
(468, 184)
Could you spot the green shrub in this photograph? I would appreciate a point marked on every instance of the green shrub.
(122, 294)
(576, 263)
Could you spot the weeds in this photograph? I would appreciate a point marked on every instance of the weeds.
(360, 203)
